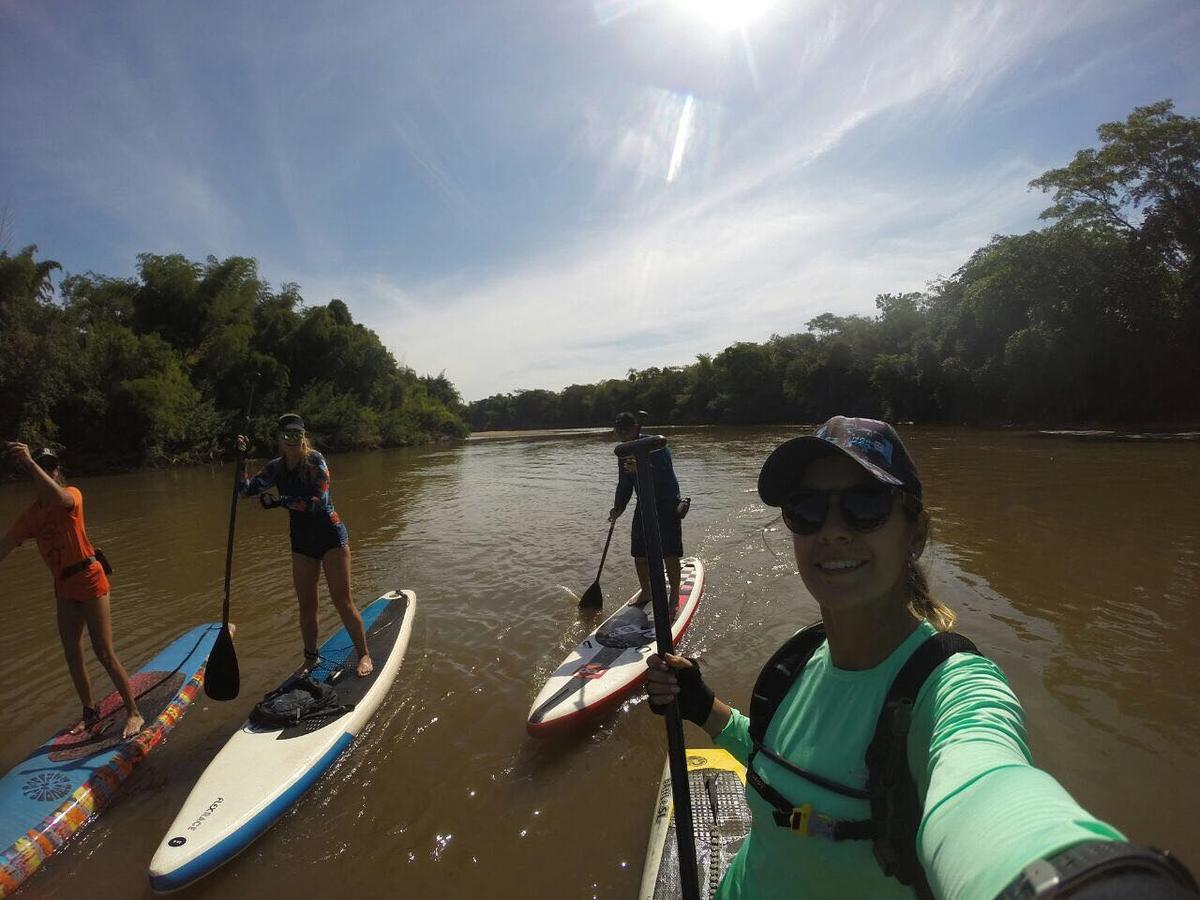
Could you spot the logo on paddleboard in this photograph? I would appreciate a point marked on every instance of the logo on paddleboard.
(177, 842)
(47, 786)
(212, 808)
(590, 670)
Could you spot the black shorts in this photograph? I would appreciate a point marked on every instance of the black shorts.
(315, 539)
(670, 530)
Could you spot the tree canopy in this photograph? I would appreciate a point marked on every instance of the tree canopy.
(156, 368)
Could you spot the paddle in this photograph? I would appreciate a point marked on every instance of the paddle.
(222, 680)
(592, 598)
(640, 450)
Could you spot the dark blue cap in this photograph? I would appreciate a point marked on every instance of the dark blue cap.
(872, 444)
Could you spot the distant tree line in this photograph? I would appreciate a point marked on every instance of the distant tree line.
(1094, 319)
(153, 369)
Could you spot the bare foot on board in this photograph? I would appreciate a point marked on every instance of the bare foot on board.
(133, 724)
(90, 717)
(365, 666)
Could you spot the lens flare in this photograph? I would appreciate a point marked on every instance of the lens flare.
(725, 14)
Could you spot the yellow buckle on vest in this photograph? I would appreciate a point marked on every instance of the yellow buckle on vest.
(800, 819)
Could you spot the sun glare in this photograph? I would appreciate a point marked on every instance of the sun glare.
(725, 14)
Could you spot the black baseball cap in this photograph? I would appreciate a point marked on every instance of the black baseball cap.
(625, 418)
(46, 458)
(291, 422)
(872, 444)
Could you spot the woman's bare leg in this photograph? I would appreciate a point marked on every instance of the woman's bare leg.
(98, 616)
(337, 576)
(70, 632)
(306, 574)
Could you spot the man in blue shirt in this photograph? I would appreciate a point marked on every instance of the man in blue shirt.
(666, 494)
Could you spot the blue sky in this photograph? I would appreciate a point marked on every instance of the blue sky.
(531, 194)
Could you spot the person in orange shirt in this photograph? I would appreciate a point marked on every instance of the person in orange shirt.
(55, 521)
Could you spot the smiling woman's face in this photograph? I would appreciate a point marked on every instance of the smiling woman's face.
(845, 568)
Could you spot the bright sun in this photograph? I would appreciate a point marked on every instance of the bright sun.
(725, 14)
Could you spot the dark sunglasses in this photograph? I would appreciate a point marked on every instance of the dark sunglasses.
(291, 437)
(864, 508)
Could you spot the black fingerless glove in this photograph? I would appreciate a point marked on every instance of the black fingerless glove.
(695, 698)
(269, 501)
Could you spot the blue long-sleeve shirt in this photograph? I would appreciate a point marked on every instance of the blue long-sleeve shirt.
(662, 471)
(304, 489)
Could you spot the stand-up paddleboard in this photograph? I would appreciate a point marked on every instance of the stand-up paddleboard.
(261, 772)
(62, 784)
(610, 663)
(720, 821)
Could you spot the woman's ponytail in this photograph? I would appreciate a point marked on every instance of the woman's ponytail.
(921, 603)
(924, 605)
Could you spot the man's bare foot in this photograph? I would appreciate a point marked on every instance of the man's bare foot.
(133, 724)
(365, 666)
(90, 717)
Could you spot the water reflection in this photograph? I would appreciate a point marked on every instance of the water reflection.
(1075, 566)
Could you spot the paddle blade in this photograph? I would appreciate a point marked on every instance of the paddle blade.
(592, 598)
(221, 677)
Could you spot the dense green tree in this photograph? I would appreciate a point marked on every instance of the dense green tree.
(157, 368)
(35, 348)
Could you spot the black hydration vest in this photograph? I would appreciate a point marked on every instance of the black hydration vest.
(895, 807)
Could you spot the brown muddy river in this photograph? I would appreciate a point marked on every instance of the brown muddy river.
(1075, 565)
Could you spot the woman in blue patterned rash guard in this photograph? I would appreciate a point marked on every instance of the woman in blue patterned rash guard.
(319, 538)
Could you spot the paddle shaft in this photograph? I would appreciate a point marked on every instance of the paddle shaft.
(640, 449)
(237, 478)
(607, 541)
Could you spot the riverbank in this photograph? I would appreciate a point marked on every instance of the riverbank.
(1102, 435)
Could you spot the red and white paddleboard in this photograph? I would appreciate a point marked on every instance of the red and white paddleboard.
(610, 663)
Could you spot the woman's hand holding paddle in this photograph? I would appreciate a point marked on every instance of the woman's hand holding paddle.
(678, 678)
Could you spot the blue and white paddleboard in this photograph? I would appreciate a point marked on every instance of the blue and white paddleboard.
(261, 772)
(61, 785)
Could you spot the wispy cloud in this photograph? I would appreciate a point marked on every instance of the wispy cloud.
(527, 195)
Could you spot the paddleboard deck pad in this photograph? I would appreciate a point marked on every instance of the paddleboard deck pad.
(262, 771)
(720, 821)
(51, 794)
(610, 663)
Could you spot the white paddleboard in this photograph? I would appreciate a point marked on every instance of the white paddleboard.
(261, 772)
(610, 663)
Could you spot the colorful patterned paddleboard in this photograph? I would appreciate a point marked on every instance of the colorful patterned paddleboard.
(720, 822)
(261, 772)
(57, 789)
(610, 663)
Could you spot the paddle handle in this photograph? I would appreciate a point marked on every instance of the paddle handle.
(640, 449)
(237, 478)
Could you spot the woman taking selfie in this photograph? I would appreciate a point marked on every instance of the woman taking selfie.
(319, 539)
(885, 756)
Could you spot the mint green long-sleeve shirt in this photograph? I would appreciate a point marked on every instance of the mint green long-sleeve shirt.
(988, 812)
